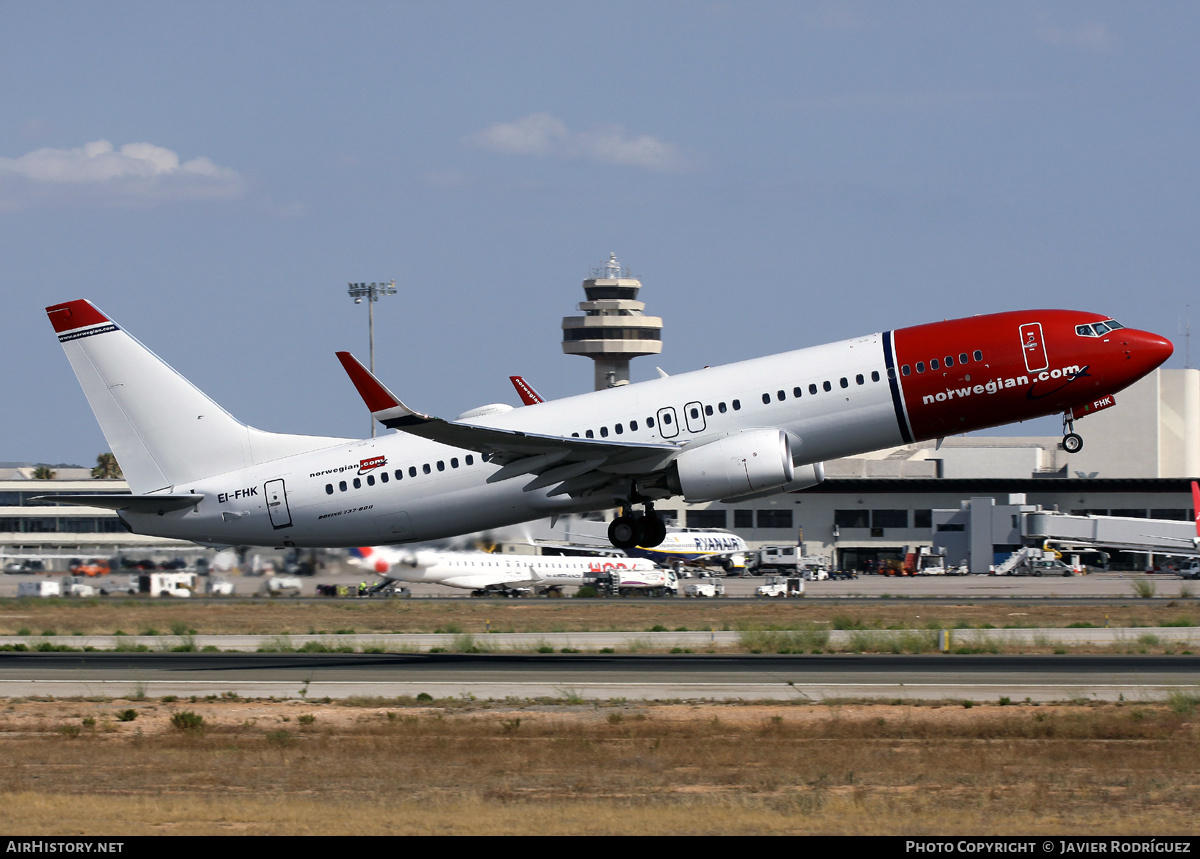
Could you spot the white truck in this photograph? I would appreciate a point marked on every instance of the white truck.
(657, 582)
(77, 586)
(781, 587)
(40, 588)
(167, 584)
(705, 586)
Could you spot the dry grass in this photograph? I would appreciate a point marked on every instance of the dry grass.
(286, 617)
(260, 767)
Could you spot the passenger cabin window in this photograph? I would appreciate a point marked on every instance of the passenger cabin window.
(978, 356)
(721, 408)
(796, 392)
(962, 358)
(827, 386)
(812, 389)
(906, 370)
(766, 399)
(633, 426)
(426, 468)
(844, 382)
(875, 375)
(780, 395)
(933, 364)
(949, 361)
(737, 405)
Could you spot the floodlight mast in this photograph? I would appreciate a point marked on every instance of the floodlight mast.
(371, 292)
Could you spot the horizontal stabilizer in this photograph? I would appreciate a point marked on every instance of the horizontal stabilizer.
(137, 503)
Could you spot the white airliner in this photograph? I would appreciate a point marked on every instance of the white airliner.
(737, 431)
(483, 572)
(697, 546)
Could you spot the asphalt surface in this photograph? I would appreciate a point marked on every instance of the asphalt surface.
(580, 676)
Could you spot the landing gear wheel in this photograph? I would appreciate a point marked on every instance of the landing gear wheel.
(625, 532)
(654, 531)
(1072, 442)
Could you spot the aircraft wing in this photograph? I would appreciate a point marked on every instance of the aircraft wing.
(576, 464)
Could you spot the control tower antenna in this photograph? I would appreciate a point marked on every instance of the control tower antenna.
(613, 329)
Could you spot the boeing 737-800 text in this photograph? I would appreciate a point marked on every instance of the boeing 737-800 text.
(737, 431)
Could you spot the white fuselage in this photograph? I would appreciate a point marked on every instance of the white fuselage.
(401, 488)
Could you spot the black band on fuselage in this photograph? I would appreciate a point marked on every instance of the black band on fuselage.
(894, 382)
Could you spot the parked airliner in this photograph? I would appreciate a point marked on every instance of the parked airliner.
(484, 572)
(737, 431)
(697, 546)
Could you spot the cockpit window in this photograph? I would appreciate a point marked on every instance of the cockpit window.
(1113, 324)
(1084, 331)
(1100, 328)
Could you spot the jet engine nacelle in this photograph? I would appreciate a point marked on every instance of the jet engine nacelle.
(740, 464)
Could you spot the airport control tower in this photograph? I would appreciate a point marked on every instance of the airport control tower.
(613, 328)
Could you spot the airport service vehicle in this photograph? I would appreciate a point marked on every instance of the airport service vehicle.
(76, 586)
(166, 584)
(705, 586)
(484, 573)
(738, 431)
(700, 546)
(781, 586)
(40, 588)
(218, 586)
(652, 582)
(92, 567)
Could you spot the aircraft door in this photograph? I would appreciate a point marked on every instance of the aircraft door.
(277, 506)
(1033, 344)
(668, 424)
(693, 416)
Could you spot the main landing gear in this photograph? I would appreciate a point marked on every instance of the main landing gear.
(1072, 441)
(629, 529)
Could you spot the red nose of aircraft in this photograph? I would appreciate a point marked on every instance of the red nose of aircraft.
(1145, 350)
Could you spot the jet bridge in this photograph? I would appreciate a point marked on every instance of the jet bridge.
(1153, 536)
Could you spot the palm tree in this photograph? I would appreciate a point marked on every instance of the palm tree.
(44, 472)
(107, 468)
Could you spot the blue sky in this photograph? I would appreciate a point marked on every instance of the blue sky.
(778, 174)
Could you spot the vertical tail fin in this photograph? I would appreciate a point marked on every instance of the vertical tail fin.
(529, 396)
(162, 429)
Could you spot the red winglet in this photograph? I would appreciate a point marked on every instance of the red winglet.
(74, 314)
(376, 396)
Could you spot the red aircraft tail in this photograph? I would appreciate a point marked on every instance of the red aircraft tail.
(529, 396)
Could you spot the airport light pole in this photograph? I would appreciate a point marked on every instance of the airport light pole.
(371, 292)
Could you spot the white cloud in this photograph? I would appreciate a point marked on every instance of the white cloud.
(138, 174)
(1088, 36)
(545, 135)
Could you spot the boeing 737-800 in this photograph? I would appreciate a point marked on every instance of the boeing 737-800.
(737, 431)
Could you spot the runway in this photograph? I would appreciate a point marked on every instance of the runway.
(578, 677)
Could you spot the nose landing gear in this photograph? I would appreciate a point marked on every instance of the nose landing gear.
(1072, 441)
